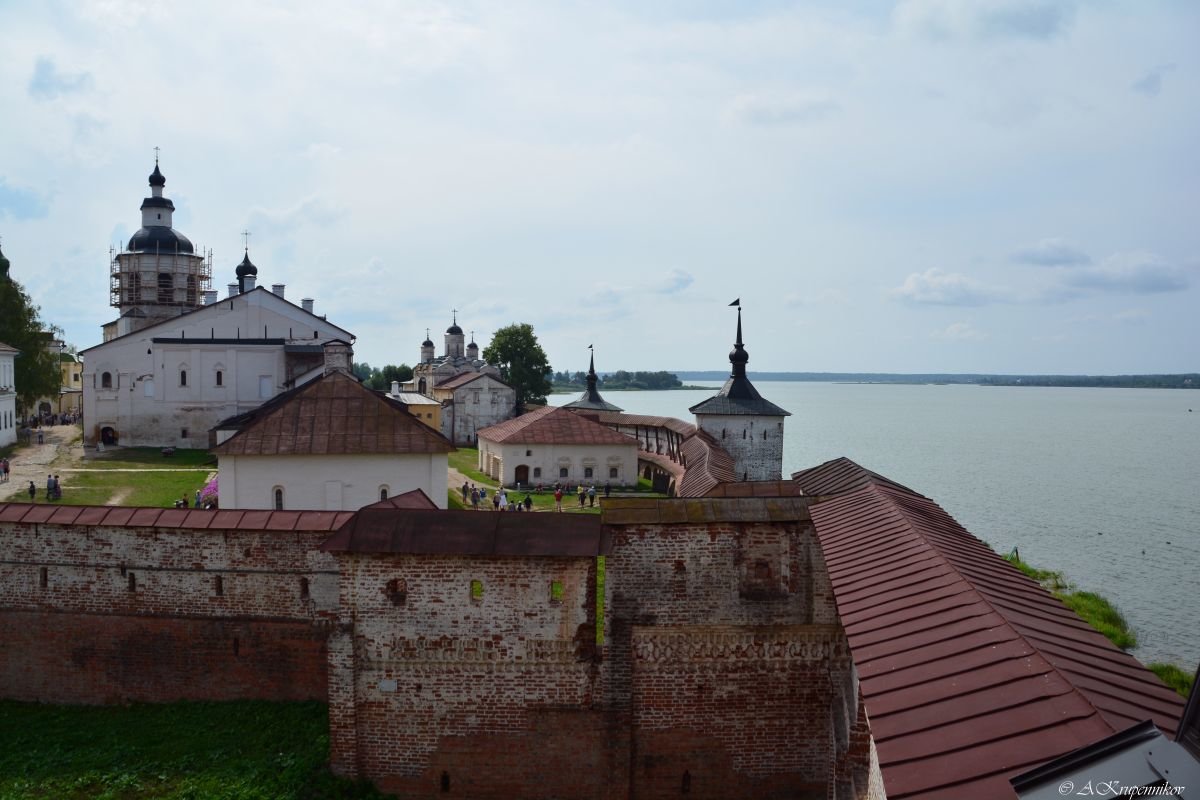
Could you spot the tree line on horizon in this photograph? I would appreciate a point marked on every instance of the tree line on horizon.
(620, 380)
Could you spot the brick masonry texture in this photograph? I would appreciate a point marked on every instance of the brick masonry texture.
(116, 614)
(721, 669)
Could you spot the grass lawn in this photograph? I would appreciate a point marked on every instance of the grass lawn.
(231, 751)
(135, 476)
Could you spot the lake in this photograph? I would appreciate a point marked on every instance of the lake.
(1103, 484)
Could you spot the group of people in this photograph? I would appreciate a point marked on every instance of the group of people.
(478, 496)
(5, 467)
(53, 487)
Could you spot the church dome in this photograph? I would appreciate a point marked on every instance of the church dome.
(156, 177)
(246, 268)
(454, 330)
(427, 343)
(159, 239)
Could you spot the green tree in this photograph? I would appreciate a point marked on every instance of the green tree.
(522, 362)
(381, 379)
(362, 370)
(36, 373)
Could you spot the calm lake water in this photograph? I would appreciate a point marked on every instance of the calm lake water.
(1103, 484)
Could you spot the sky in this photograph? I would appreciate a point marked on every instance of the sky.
(1001, 186)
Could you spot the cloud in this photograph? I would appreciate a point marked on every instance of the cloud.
(783, 108)
(988, 20)
(1136, 273)
(47, 82)
(958, 332)
(312, 211)
(1150, 84)
(18, 203)
(935, 287)
(1052, 253)
(675, 281)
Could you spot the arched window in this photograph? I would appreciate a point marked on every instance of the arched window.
(383, 493)
(183, 377)
(220, 378)
(587, 472)
(613, 472)
(277, 494)
(562, 472)
(106, 380)
(166, 287)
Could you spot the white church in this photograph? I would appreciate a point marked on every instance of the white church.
(177, 360)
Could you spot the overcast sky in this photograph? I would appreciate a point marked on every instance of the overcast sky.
(927, 186)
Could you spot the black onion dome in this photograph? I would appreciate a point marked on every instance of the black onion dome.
(156, 177)
(246, 268)
(159, 239)
(454, 329)
(427, 343)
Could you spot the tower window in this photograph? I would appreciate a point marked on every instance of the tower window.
(183, 377)
(383, 493)
(277, 495)
(220, 378)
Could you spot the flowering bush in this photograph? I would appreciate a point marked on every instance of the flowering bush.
(208, 495)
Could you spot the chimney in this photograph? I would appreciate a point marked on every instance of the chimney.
(277, 290)
(338, 356)
(210, 297)
(249, 279)
(233, 289)
(307, 304)
(395, 388)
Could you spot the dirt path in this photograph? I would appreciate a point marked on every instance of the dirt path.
(62, 449)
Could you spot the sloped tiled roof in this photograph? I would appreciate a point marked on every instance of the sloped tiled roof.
(551, 425)
(142, 517)
(707, 465)
(644, 420)
(412, 500)
(333, 414)
(970, 672)
(465, 378)
(840, 475)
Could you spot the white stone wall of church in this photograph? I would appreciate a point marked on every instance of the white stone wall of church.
(756, 458)
(462, 420)
(159, 419)
(328, 482)
(502, 461)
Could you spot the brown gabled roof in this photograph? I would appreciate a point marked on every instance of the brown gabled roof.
(465, 378)
(670, 423)
(970, 672)
(386, 530)
(840, 475)
(412, 500)
(707, 466)
(333, 415)
(551, 425)
(141, 517)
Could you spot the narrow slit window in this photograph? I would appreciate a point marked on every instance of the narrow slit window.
(304, 588)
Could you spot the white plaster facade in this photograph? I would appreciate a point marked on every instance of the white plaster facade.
(548, 464)
(755, 443)
(328, 482)
(473, 405)
(169, 383)
(8, 395)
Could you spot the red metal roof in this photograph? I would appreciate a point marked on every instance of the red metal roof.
(390, 530)
(840, 475)
(970, 671)
(28, 513)
(413, 500)
(334, 414)
(551, 425)
(707, 465)
(465, 378)
(646, 421)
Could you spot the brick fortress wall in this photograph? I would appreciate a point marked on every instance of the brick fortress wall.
(112, 613)
(722, 669)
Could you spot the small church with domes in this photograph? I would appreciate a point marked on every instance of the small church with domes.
(178, 359)
(470, 391)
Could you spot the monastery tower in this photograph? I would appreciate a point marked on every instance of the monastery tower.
(159, 275)
(744, 424)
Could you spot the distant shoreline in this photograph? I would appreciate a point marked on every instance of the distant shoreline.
(1176, 381)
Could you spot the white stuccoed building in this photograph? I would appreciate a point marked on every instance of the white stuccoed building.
(178, 359)
(8, 394)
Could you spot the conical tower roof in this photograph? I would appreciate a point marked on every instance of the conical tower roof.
(591, 399)
(738, 395)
